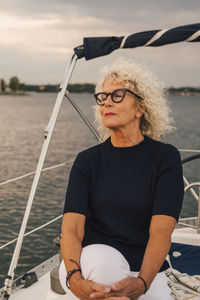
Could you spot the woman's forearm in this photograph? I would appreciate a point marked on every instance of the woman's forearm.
(160, 231)
(71, 242)
(156, 251)
(71, 250)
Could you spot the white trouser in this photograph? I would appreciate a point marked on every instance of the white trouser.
(106, 265)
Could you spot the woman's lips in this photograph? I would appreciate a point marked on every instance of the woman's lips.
(109, 114)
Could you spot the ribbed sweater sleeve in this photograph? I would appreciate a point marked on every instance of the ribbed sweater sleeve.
(169, 186)
(78, 191)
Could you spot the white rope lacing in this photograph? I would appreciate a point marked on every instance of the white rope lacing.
(193, 36)
(153, 39)
(123, 41)
(158, 35)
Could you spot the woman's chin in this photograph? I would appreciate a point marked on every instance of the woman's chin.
(111, 125)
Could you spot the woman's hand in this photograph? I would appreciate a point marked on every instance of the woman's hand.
(83, 288)
(131, 287)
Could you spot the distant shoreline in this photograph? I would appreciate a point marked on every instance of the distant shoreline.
(184, 91)
(90, 88)
(28, 93)
(17, 88)
(18, 93)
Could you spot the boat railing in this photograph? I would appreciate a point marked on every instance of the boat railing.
(32, 173)
(192, 222)
(188, 223)
(32, 231)
(71, 161)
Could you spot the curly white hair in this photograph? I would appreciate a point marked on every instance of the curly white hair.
(156, 120)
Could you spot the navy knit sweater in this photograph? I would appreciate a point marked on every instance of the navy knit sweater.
(118, 189)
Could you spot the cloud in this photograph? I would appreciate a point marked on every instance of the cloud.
(42, 34)
(50, 33)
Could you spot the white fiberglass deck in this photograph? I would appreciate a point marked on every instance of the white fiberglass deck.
(40, 290)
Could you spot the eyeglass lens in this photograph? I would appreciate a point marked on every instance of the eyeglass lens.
(116, 96)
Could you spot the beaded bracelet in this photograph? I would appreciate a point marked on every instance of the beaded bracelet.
(145, 285)
(70, 273)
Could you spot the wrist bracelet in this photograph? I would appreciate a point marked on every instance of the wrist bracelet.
(69, 275)
(145, 285)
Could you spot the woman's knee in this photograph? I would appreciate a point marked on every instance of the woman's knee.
(103, 264)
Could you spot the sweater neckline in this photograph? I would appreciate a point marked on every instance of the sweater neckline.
(139, 145)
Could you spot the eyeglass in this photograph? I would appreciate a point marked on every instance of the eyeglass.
(116, 96)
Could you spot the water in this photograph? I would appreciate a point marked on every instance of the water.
(23, 121)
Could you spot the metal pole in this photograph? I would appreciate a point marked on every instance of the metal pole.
(189, 186)
(83, 117)
(198, 230)
(48, 134)
(192, 191)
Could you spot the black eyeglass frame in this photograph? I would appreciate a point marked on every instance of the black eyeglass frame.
(124, 90)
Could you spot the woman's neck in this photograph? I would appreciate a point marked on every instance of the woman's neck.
(122, 139)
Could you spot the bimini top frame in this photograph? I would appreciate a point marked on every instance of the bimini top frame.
(99, 46)
(91, 48)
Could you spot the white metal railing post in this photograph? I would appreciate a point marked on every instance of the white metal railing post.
(189, 186)
(48, 134)
(198, 222)
(192, 191)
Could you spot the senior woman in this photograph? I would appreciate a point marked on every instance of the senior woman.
(124, 195)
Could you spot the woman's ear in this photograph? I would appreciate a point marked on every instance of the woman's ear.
(141, 109)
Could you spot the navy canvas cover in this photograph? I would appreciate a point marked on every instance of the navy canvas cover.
(189, 260)
(99, 46)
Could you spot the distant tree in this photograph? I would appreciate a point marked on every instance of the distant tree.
(73, 88)
(14, 83)
(51, 88)
(32, 88)
(81, 88)
(3, 85)
(22, 86)
(89, 87)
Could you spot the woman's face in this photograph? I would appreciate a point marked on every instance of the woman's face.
(119, 115)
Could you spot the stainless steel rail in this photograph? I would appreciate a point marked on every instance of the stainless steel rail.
(188, 187)
(32, 173)
(71, 161)
(189, 150)
(181, 222)
(83, 117)
(47, 135)
(32, 231)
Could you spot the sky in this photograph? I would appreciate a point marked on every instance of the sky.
(37, 38)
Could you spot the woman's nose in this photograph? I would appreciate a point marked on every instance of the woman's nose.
(109, 101)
